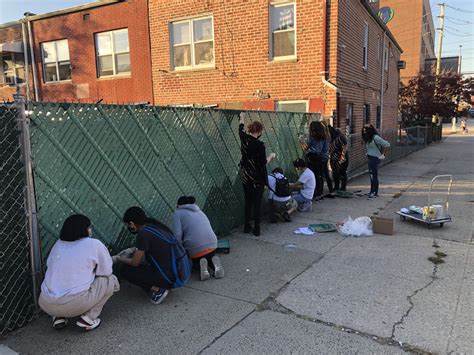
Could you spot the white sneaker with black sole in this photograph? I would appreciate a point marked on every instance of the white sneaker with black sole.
(218, 268)
(204, 271)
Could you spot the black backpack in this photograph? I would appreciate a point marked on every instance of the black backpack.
(282, 186)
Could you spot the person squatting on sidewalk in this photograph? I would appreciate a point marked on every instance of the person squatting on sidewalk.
(305, 186)
(193, 230)
(144, 273)
(253, 171)
(279, 196)
(79, 279)
(376, 147)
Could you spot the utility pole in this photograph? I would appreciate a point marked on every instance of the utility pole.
(460, 59)
(435, 118)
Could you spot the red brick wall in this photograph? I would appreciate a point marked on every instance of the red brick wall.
(80, 35)
(358, 86)
(242, 65)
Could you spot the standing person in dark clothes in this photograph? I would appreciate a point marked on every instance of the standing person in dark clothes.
(376, 147)
(253, 171)
(146, 275)
(338, 158)
(317, 155)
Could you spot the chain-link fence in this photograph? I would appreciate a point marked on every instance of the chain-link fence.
(17, 301)
(402, 143)
(99, 160)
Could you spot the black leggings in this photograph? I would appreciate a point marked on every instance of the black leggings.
(339, 173)
(319, 167)
(253, 201)
(144, 276)
(197, 266)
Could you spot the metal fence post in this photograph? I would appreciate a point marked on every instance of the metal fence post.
(30, 202)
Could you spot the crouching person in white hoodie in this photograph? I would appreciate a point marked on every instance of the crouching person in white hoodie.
(193, 229)
(79, 279)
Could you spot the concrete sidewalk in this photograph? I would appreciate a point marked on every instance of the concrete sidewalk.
(321, 294)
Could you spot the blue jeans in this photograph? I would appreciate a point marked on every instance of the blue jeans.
(374, 174)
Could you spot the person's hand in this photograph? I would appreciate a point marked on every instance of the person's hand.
(304, 146)
(382, 157)
(242, 117)
(272, 156)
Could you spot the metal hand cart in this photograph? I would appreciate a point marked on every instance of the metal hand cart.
(441, 220)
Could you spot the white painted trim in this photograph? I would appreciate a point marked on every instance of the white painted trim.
(284, 102)
(276, 4)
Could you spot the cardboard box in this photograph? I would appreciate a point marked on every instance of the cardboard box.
(382, 225)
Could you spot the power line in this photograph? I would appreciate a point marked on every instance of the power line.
(460, 10)
(458, 22)
(458, 35)
(454, 29)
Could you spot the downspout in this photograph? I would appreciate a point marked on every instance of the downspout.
(326, 39)
(25, 54)
(382, 84)
(33, 61)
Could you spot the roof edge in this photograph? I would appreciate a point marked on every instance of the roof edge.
(68, 10)
(372, 12)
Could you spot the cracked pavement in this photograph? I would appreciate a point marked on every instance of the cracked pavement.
(314, 294)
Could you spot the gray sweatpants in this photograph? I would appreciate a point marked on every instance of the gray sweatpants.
(88, 303)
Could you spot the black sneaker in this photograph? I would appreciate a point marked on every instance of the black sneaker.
(372, 196)
(59, 322)
(256, 231)
(157, 297)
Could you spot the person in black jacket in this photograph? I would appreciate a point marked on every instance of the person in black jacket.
(253, 171)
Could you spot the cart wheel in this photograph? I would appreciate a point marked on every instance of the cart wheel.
(441, 225)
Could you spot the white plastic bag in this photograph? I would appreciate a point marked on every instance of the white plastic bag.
(359, 227)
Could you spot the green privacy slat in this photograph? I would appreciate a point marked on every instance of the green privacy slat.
(101, 159)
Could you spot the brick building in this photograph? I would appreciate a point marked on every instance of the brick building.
(90, 53)
(332, 57)
(411, 22)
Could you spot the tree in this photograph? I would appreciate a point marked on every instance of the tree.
(425, 96)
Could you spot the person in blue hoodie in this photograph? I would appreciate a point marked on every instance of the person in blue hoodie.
(193, 229)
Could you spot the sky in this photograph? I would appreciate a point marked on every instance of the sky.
(459, 24)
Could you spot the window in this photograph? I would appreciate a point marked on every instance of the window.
(282, 31)
(56, 63)
(12, 69)
(350, 118)
(113, 53)
(378, 118)
(385, 58)
(365, 51)
(379, 48)
(292, 106)
(367, 114)
(192, 43)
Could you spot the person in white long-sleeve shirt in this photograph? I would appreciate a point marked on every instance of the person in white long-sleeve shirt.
(79, 279)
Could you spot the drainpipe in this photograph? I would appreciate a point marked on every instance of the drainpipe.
(382, 84)
(25, 54)
(32, 51)
(326, 39)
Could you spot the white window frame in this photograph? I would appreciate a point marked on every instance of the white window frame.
(350, 126)
(385, 58)
(190, 22)
(57, 61)
(379, 48)
(365, 60)
(113, 53)
(276, 5)
(284, 102)
(15, 69)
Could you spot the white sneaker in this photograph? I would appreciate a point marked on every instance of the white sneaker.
(205, 275)
(218, 269)
(88, 324)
